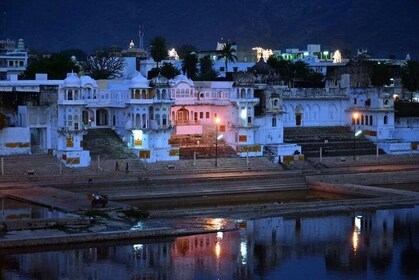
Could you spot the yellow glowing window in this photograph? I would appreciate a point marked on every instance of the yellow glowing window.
(144, 154)
(242, 138)
(138, 142)
(69, 141)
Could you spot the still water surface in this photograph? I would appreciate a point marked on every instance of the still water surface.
(382, 244)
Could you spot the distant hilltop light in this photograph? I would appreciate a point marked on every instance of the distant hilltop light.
(261, 52)
(337, 57)
(173, 54)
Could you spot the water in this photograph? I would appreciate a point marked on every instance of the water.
(12, 209)
(382, 244)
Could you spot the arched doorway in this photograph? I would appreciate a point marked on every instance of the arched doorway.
(102, 117)
(182, 116)
(299, 115)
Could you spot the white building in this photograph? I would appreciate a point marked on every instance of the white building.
(253, 109)
(13, 58)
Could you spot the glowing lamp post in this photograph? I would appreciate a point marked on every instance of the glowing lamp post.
(217, 122)
(355, 117)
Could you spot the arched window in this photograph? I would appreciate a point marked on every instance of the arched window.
(366, 120)
(164, 120)
(76, 122)
(85, 117)
(243, 93)
(362, 119)
(164, 94)
(69, 121)
(70, 95)
(144, 121)
(274, 122)
(137, 121)
(385, 119)
(275, 103)
(370, 119)
(158, 119)
(386, 102)
(137, 94)
(143, 94)
(249, 93)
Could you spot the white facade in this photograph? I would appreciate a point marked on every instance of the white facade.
(13, 58)
(144, 113)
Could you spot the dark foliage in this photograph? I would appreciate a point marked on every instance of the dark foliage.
(57, 66)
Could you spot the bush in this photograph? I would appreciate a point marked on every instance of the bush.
(97, 213)
(136, 214)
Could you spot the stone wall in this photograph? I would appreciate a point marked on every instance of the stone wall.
(15, 140)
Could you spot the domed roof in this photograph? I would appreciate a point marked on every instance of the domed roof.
(261, 68)
(72, 80)
(243, 79)
(181, 78)
(159, 81)
(87, 80)
(139, 81)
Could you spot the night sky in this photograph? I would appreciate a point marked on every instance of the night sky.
(384, 27)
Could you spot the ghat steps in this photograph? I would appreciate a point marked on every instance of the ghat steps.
(335, 141)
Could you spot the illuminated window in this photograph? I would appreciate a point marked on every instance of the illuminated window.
(69, 142)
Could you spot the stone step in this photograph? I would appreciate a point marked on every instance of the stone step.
(106, 143)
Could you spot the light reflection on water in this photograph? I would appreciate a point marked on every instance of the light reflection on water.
(375, 245)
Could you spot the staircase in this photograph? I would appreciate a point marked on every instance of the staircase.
(106, 143)
(35, 164)
(203, 145)
(335, 141)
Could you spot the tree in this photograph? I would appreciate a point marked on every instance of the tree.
(410, 77)
(103, 64)
(190, 66)
(158, 49)
(2, 120)
(207, 71)
(57, 67)
(282, 67)
(228, 53)
(380, 75)
(300, 70)
(78, 53)
(185, 49)
(167, 70)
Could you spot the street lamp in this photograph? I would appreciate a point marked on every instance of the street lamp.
(355, 117)
(217, 122)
